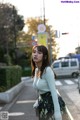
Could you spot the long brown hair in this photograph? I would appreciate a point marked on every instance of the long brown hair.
(45, 60)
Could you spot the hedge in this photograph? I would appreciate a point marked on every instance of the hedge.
(26, 71)
(9, 76)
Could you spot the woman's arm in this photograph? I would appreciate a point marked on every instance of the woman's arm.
(49, 76)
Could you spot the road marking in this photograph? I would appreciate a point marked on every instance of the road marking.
(69, 114)
(58, 83)
(15, 113)
(26, 101)
(69, 82)
(66, 81)
(4, 115)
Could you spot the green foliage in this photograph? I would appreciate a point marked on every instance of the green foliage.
(2, 88)
(33, 23)
(10, 24)
(1, 55)
(26, 71)
(23, 63)
(7, 59)
(9, 76)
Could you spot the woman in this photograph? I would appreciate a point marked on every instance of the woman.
(44, 82)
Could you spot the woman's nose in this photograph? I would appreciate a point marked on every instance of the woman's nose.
(36, 54)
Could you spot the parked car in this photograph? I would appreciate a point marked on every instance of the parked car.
(66, 67)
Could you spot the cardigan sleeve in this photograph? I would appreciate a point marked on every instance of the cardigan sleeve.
(49, 76)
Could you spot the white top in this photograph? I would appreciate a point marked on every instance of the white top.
(45, 84)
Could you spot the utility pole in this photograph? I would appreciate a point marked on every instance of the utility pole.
(44, 11)
(14, 27)
(50, 45)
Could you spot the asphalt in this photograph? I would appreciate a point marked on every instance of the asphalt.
(71, 96)
(21, 107)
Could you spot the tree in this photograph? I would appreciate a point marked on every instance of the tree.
(10, 24)
(24, 44)
(32, 24)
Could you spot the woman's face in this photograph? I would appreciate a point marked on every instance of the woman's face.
(37, 56)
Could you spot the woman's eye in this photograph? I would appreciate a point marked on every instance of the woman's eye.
(34, 51)
(39, 52)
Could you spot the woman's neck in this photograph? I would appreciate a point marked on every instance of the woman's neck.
(38, 65)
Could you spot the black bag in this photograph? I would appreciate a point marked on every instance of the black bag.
(61, 103)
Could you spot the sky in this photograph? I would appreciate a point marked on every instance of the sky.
(64, 17)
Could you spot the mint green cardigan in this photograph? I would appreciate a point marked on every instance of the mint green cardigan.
(45, 84)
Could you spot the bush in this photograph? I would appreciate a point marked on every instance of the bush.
(26, 71)
(9, 76)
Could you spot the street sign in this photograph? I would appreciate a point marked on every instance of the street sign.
(33, 37)
(42, 38)
(41, 28)
(34, 43)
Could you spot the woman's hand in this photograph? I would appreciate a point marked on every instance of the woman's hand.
(36, 104)
(37, 73)
(36, 70)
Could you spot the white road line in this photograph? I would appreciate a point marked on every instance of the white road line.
(26, 101)
(58, 83)
(16, 114)
(69, 114)
(69, 82)
(76, 80)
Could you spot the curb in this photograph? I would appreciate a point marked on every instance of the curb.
(8, 96)
(10, 104)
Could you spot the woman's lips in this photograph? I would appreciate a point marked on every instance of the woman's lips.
(35, 58)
